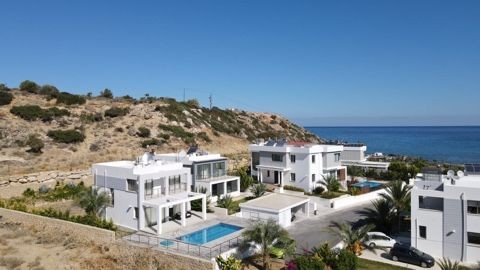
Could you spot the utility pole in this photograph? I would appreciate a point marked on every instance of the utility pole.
(210, 99)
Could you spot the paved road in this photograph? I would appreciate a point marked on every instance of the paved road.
(312, 232)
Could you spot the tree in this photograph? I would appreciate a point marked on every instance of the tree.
(245, 180)
(29, 86)
(143, 132)
(354, 172)
(48, 90)
(381, 215)
(228, 264)
(4, 87)
(5, 98)
(447, 264)
(225, 202)
(93, 201)
(352, 237)
(398, 194)
(264, 234)
(107, 93)
(258, 189)
(331, 183)
(35, 143)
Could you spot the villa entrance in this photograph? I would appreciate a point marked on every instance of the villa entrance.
(275, 177)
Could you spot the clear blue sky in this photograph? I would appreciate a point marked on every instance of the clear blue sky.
(317, 62)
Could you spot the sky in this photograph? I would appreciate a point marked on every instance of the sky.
(320, 63)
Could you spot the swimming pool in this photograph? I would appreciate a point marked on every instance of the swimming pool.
(368, 184)
(208, 234)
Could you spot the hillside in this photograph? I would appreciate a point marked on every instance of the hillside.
(106, 128)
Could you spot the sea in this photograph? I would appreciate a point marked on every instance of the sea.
(449, 144)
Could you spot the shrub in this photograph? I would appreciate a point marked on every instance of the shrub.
(118, 129)
(143, 132)
(29, 86)
(177, 131)
(203, 135)
(91, 117)
(150, 142)
(245, 180)
(293, 188)
(28, 192)
(48, 90)
(231, 263)
(94, 147)
(33, 112)
(258, 189)
(305, 262)
(66, 136)
(346, 260)
(318, 190)
(70, 99)
(115, 112)
(107, 93)
(5, 98)
(164, 136)
(90, 220)
(193, 103)
(226, 202)
(35, 143)
(4, 87)
(51, 113)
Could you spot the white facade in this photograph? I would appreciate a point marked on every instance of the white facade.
(355, 155)
(145, 195)
(446, 216)
(207, 171)
(296, 164)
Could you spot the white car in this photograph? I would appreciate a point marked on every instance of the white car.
(379, 239)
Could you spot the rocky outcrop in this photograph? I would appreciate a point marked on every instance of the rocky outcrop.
(45, 177)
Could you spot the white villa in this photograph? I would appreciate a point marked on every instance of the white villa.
(298, 164)
(355, 155)
(446, 213)
(146, 193)
(207, 171)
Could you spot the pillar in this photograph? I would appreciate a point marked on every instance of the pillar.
(308, 209)
(183, 214)
(204, 207)
(159, 220)
(224, 188)
(140, 198)
(260, 177)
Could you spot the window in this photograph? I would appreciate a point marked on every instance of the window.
(148, 187)
(277, 157)
(132, 185)
(431, 203)
(313, 158)
(219, 169)
(268, 173)
(174, 184)
(135, 212)
(292, 177)
(423, 231)
(473, 207)
(255, 160)
(204, 171)
(231, 186)
(293, 158)
(313, 177)
(337, 157)
(473, 238)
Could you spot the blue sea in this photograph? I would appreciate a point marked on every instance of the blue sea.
(443, 144)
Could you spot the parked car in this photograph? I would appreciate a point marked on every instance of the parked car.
(379, 239)
(411, 255)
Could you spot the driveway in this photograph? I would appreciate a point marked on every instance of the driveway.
(313, 231)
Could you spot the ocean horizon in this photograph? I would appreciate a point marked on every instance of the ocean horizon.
(451, 144)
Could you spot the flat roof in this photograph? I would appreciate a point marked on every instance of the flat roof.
(276, 202)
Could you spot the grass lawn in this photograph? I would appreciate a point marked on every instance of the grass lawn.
(331, 195)
(364, 264)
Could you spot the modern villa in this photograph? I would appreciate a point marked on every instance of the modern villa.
(446, 213)
(146, 193)
(208, 171)
(298, 164)
(354, 154)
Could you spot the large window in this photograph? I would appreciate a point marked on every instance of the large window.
(204, 171)
(277, 157)
(313, 158)
(255, 160)
(422, 231)
(313, 177)
(473, 238)
(132, 185)
(231, 186)
(473, 207)
(337, 157)
(174, 183)
(148, 187)
(293, 158)
(292, 177)
(219, 169)
(431, 203)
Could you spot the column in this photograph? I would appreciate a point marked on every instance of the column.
(159, 220)
(204, 207)
(281, 180)
(224, 188)
(167, 186)
(140, 197)
(308, 209)
(183, 214)
(260, 177)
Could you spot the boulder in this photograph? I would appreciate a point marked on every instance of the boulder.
(23, 180)
(32, 179)
(4, 183)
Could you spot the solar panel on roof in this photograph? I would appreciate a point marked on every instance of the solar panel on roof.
(270, 143)
(192, 149)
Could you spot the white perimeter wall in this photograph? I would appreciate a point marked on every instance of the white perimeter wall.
(355, 200)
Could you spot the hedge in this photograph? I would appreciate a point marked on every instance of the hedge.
(33, 112)
(66, 136)
(116, 111)
(70, 99)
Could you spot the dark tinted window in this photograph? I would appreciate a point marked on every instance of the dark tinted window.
(422, 231)
(473, 238)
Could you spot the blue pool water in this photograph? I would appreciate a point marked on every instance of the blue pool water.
(369, 184)
(208, 234)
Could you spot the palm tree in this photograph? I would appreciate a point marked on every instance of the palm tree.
(447, 264)
(264, 234)
(258, 189)
(352, 238)
(381, 215)
(225, 202)
(93, 201)
(331, 183)
(398, 194)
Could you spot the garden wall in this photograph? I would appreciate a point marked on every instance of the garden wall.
(355, 200)
(41, 177)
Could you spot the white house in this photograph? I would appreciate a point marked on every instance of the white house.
(446, 214)
(355, 155)
(146, 193)
(297, 164)
(207, 171)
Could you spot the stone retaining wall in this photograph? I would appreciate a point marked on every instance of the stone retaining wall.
(44, 177)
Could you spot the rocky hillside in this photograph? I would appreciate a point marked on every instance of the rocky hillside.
(43, 129)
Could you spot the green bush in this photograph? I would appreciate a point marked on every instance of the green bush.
(116, 111)
(29, 86)
(164, 136)
(203, 135)
(70, 99)
(48, 90)
(90, 220)
(193, 103)
(179, 132)
(54, 112)
(4, 87)
(107, 93)
(35, 143)
(33, 112)
(66, 136)
(293, 188)
(346, 260)
(91, 117)
(305, 262)
(143, 132)
(245, 180)
(150, 142)
(5, 98)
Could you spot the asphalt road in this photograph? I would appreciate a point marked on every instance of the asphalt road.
(312, 232)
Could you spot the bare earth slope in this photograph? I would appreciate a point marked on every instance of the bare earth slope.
(112, 138)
